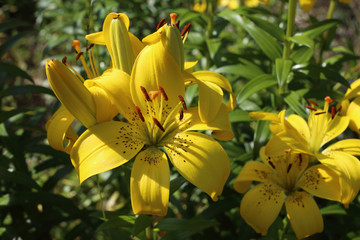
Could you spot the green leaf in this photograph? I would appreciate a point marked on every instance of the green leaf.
(302, 40)
(18, 178)
(142, 222)
(125, 223)
(330, 74)
(262, 133)
(176, 183)
(318, 28)
(244, 69)
(5, 115)
(26, 89)
(255, 85)
(283, 68)
(192, 225)
(12, 71)
(302, 55)
(11, 41)
(269, 27)
(333, 209)
(213, 45)
(297, 103)
(12, 24)
(239, 116)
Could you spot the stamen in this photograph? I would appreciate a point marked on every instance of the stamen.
(319, 113)
(332, 112)
(145, 94)
(288, 168)
(328, 99)
(162, 91)
(313, 103)
(173, 17)
(153, 94)
(339, 108)
(89, 47)
(271, 164)
(64, 60)
(311, 108)
(186, 29)
(158, 124)
(178, 24)
(181, 114)
(182, 102)
(300, 159)
(138, 111)
(79, 55)
(160, 24)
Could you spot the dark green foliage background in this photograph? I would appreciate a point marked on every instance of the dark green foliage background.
(40, 196)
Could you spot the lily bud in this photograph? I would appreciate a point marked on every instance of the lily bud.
(171, 39)
(71, 92)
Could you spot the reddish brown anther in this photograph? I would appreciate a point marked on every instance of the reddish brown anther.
(64, 60)
(79, 55)
(178, 24)
(163, 93)
(319, 113)
(138, 111)
(300, 159)
(181, 112)
(145, 94)
(328, 99)
(332, 112)
(311, 108)
(186, 29)
(89, 47)
(313, 103)
(339, 108)
(160, 24)
(158, 124)
(182, 102)
(271, 164)
(288, 168)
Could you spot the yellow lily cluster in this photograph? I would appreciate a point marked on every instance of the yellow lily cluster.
(201, 5)
(307, 5)
(295, 164)
(145, 84)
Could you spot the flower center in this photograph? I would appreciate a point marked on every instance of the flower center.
(159, 121)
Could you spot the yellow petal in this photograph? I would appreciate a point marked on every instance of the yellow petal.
(149, 183)
(253, 171)
(251, 3)
(210, 100)
(96, 38)
(136, 44)
(353, 112)
(354, 90)
(213, 77)
(189, 66)
(154, 67)
(173, 43)
(304, 214)
(117, 84)
(348, 169)
(300, 124)
(264, 116)
(221, 125)
(103, 147)
(71, 92)
(322, 182)
(307, 5)
(351, 146)
(60, 134)
(335, 128)
(261, 206)
(201, 160)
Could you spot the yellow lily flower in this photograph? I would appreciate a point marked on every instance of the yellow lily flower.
(285, 178)
(307, 5)
(352, 109)
(201, 5)
(159, 127)
(309, 138)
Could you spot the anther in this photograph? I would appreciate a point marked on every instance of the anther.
(89, 47)
(162, 91)
(153, 94)
(339, 108)
(186, 29)
(313, 103)
(158, 124)
(288, 168)
(181, 112)
(319, 113)
(328, 99)
(311, 108)
(64, 60)
(300, 159)
(178, 24)
(160, 24)
(182, 102)
(332, 112)
(138, 111)
(271, 164)
(79, 55)
(145, 94)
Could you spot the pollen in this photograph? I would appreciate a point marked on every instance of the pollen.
(138, 111)
(64, 60)
(186, 29)
(158, 124)
(163, 93)
(89, 47)
(145, 94)
(79, 55)
(313, 103)
(182, 102)
(181, 112)
(311, 108)
(332, 112)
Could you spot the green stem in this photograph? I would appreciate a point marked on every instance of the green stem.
(290, 28)
(330, 14)
(101, 199)
(210, 28)
(149, 233)
(285, 229)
